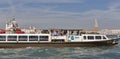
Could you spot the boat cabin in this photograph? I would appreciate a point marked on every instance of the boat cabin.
(87, 38)
(25, 38)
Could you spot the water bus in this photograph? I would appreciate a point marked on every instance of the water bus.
(15, 37)
(46, 40)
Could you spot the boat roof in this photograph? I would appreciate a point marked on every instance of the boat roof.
(92, 34)
(24, 34)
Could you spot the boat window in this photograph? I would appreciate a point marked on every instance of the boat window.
(58, 40)
(104, 37)
(12, 38)
(90, 37)
(84, 37)
(112, 36)
(22, 38)
(43, 38)
(33, 38)
(97, 37)
(2, 38)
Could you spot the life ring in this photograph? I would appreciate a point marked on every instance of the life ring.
(72, 37)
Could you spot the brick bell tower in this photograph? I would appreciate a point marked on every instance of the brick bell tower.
(95, 25)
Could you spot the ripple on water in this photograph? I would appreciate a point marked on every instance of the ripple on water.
(61, 53)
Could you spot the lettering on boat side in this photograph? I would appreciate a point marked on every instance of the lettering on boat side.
(76, 37)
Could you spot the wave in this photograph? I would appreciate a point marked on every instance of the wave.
(59, 53)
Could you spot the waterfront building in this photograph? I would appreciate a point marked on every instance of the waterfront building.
(31, 30)
(110, 32)
(2, 31)
(11, 26)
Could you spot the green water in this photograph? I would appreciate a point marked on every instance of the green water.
(105, 52)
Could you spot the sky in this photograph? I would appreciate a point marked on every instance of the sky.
(61, 13)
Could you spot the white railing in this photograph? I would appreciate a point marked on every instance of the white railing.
(58, 37)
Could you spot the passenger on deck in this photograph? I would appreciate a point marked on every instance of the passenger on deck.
(55, 33)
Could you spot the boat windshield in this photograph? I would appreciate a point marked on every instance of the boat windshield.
(112, 36)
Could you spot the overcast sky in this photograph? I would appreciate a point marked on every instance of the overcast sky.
(61, 13)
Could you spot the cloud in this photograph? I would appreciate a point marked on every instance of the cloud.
(48, 16)
(108, 18)
(55, 1)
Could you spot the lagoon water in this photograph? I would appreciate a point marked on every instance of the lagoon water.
(104, 52)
